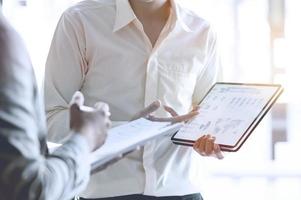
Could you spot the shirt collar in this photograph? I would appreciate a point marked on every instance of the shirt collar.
(179, 16)
(125, 15)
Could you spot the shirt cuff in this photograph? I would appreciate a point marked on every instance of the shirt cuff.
(81, 143)
(77, 149)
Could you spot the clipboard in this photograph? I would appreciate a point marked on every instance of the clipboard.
(124, 139)
(230, 112)
(129, 137)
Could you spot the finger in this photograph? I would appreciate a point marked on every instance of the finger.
(195, 108)
(197, 143)
(77, 98)
(201, 146)
(159, 119)
(103, 139)
(74, 107)
(108, 124)
(103, 107)
(173, 120)
(74, 111)
(148, 110)
(184, 118)
(217, 151)
(151, 108)
(209, 147)
(171, 111)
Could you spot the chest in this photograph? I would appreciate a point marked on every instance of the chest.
(127, 50)
(123, 63)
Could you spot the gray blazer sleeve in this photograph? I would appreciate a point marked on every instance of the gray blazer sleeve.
(26, 170)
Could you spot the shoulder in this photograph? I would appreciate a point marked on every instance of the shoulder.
(194, 20)
(14, 58)
(11, 42)
(7, 33)
(87, 10)
(90, 5)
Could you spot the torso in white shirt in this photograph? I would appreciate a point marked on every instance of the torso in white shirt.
(124, 71)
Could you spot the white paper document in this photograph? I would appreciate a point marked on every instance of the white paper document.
(126, 138)
(228, 112)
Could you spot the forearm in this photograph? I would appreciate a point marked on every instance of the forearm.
(60, 175)
(66, 56)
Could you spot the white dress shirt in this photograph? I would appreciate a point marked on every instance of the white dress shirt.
(100, 48)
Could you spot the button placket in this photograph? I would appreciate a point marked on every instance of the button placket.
(151, 94)
(151, 81)
(151, 88)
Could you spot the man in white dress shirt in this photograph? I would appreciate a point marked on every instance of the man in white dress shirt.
(129, 53)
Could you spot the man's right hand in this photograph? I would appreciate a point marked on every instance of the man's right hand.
(175, 118)
(93, 125)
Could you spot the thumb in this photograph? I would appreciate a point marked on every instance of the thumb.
(103, 107)
(148, 110)
(77, 98)
(217, 151)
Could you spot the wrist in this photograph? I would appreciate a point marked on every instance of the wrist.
(87, 133)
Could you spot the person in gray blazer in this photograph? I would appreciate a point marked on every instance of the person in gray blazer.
(27, 170)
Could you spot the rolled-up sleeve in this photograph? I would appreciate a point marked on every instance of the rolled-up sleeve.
(26, 171)
(64, 74)
(212, 71)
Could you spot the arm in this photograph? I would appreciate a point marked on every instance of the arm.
(211, 73)
(66, 68)
(64, 74)
(26, 174)
(25, 171)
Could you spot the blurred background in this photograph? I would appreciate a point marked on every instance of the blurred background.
(259, 41)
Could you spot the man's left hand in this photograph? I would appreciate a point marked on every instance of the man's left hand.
(206, 146)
